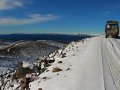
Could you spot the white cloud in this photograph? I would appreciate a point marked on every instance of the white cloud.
(10, 4)
(34, 15)
(33, 18)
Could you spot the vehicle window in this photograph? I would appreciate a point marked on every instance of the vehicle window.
(114, 26)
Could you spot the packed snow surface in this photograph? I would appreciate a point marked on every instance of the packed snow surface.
(93, 65)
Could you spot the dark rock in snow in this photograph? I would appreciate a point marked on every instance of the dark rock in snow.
(21, 71)
(25, 83)
(56, 69)
(60, 62)
(68, 69)
(39, 88)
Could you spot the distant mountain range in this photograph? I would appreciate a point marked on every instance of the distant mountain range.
(54, 37)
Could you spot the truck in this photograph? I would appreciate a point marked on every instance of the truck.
(112, 29)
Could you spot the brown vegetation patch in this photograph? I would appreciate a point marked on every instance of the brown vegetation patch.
(56, 69)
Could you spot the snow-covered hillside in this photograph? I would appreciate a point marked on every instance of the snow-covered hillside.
(13, 53)
(92, 64)
(89, 64)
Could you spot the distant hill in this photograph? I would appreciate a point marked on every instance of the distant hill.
(54, 37)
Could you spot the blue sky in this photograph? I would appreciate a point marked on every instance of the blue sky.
(57, 16)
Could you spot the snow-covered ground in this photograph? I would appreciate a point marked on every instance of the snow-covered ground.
(13, 53)
(90, 64)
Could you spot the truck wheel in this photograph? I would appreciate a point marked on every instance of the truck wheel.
(116, 36)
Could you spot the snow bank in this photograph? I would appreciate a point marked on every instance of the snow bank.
(67, 78)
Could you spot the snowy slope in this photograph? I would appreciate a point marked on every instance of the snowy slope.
(90, 64)
(84, 68)
(13, 53)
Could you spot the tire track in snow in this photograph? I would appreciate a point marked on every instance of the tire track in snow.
(116, 47)
(112, 52)
(109, 82)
